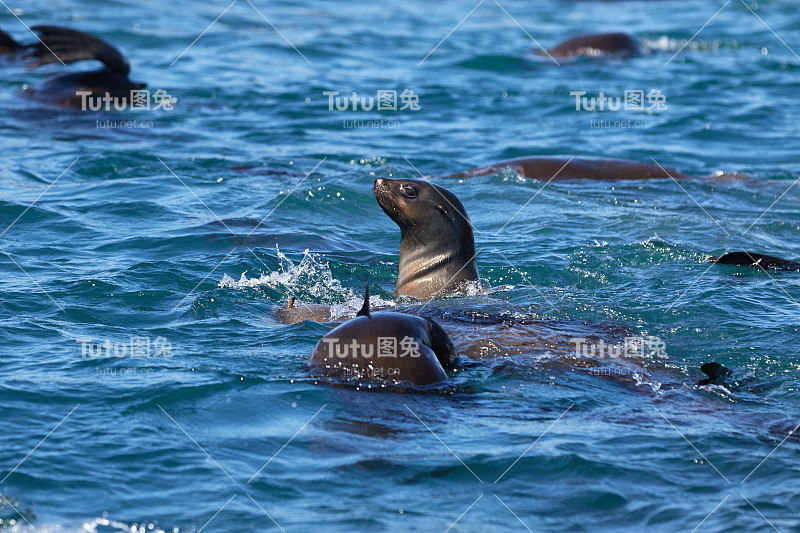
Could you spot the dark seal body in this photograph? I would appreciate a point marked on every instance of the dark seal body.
(613, 45)
(437, 247)
(69, 90)
(752, 259)
(562, 168)
(8, 45)
(68, 46)
(385, 346)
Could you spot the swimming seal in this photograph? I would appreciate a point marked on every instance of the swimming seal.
(385, 346)
(437, 247)
(564, 168)
(752, 259)
(70, 46)
(612, 45)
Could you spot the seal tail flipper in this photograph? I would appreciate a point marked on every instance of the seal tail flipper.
(365, 308)
(7, 42)
(68, 46)
(290, 305)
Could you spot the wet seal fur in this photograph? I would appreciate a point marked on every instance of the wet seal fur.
(751, 259)
(292, 314)
(8, 45)
(435, 350)
(611, 45)
(437, 246)
(70, 46)
(715, 372)
(576, 168)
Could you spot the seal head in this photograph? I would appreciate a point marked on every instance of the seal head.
(437, 246)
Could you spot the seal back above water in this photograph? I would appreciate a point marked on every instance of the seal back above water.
(385, 346)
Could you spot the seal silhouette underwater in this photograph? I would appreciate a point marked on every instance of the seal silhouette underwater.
(419, 350)
(70, 46)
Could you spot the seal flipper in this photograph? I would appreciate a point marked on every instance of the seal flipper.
(70, 46)
(365, 308)
(714, 371)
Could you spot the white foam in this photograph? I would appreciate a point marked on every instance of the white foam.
(311, 277)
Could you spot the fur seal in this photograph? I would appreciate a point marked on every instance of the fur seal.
(544, 168)
(611, 45)
(385, 346)
(437, 247)
(70, 46)
(751, 259)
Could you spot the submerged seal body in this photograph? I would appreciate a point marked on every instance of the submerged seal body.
(70, 46)
(385, 346)
(292, 314)
(614, 45)
(565, 168)
(437, 247)
(752, 259)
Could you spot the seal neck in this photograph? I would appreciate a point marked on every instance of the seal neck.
(428, 269)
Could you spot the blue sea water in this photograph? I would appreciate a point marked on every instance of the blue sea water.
(186, 234)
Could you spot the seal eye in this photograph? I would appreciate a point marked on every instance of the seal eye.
(408, 191)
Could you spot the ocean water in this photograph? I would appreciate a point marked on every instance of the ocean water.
(184, 235)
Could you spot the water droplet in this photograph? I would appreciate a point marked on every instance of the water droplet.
(764, 51)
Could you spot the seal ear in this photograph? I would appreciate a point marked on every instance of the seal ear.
(365, 308)
(445, 211)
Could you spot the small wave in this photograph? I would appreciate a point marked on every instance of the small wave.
(349, 308)
(95, 525)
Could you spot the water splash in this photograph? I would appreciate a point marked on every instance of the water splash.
(311, 279)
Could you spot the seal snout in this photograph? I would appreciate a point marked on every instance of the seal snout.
(383, 195)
